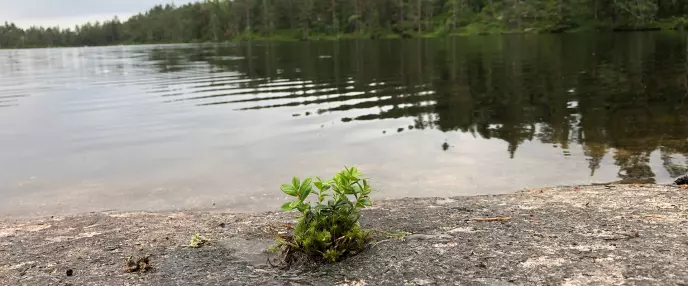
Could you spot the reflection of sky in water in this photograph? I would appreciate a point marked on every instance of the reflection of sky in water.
(182, 126)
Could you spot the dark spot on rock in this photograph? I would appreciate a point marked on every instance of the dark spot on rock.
(138, 264)
(222, 225)
(384, 132)
(346, 119)
(70, 272)
(308, 113)
(410, 127)
(295, 115)
(400, 130)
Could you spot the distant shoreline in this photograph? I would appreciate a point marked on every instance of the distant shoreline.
(327, 38)
(602, 234)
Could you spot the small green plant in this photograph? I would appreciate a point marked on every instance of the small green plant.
(327, 227)
(197, 241)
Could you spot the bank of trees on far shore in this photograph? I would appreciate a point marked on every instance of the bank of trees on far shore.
(223, 20)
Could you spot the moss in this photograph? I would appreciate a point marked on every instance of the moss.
(197, 241)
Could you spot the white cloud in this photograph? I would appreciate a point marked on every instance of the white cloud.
(67, 22)
(68, 13)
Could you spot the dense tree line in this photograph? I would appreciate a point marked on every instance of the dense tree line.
(220, 20)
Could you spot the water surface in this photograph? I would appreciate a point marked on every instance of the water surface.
(222, 126)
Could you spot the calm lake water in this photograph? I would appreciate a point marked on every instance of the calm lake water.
(222, 126)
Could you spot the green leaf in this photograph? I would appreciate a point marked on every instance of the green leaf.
(322, 185)
(351, 190)
(306, 192)
(356, 188)
(345, 202)
(366, 188)
(307, 182)
(366, 202)
(304, 189)
(323, 209)
(336, 190)
(287, 206)
(303, 207)
(296, 183)
(288, 189)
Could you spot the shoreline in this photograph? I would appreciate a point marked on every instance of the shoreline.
(603, 234)
(328, 38)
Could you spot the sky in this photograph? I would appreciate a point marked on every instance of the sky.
(67, 13)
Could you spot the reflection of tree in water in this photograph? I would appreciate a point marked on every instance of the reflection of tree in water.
(167, 60)
(595, 153)
(623, 93)
(634, 165)
(675, 169)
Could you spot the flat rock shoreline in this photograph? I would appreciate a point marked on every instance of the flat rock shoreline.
(600, 235)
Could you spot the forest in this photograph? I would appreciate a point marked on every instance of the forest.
(231, 20)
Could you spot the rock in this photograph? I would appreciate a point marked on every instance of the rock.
(70, 272)
(24, 265)
(462, 229)
(445, 201)
(492, 282)
(428, 237)
(682, 180)
(418, 281)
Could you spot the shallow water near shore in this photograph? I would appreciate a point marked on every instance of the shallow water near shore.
(223, 125)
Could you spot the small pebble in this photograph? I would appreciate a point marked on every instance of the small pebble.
(70, 272)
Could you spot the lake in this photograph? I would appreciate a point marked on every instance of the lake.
(221, 126)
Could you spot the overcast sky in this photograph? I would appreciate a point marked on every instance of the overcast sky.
(67, 13)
